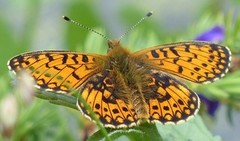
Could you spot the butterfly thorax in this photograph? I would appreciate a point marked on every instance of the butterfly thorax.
(130, 78)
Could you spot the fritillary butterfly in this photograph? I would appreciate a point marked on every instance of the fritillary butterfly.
(124, 88)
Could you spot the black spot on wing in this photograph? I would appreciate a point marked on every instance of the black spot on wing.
(74, 58)
(84, 58)
(154, 54)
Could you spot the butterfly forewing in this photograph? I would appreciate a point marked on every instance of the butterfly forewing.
(198, 62)
(58, 71)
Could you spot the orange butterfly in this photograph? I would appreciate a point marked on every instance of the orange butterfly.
(124, 88)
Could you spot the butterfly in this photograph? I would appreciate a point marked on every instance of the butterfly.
(123, 88)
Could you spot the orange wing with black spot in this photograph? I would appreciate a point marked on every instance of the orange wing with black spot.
(171, 101)
(57, 71)
(199, 62)
(100, 94)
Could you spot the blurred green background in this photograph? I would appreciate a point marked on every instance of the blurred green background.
(29, 25)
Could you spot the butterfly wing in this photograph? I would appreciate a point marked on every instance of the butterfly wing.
(199, 62)
(170, 101)
(58, 71)
(100, 94)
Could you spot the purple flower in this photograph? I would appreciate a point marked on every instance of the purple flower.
(211, 105)
(215, 34)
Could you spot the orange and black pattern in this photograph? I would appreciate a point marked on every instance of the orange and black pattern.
(169, 102)
(124, 88)
(58, 71)
(99, 93)
(199, 62)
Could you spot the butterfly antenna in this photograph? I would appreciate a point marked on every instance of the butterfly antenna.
(83, 26)
(135, 25)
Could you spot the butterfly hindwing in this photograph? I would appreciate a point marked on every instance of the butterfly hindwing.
(58, 71)
(196, 61)
(99, 93)
(171, 101)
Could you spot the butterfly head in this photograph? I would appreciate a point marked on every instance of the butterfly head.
(113, 44)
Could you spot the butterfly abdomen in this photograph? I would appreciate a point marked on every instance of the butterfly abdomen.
(139, 104)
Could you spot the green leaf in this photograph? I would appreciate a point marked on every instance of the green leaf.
(194, 130)
(143, 132)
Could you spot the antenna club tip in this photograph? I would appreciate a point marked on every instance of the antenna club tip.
(149, 14)
(66, 18)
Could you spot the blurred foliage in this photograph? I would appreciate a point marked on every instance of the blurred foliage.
(40, 120)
